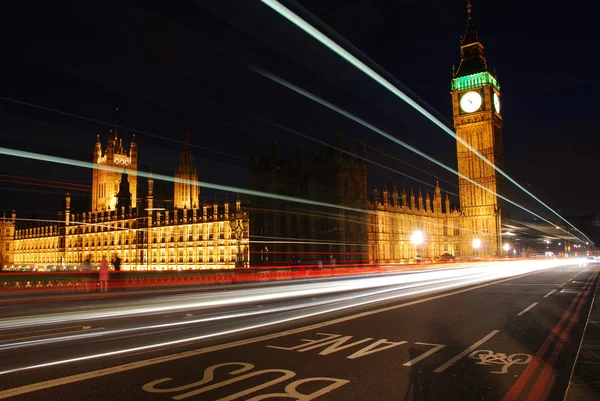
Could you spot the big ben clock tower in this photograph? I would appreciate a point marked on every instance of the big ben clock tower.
(478, 122)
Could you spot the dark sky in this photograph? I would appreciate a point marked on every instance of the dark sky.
(165, 63)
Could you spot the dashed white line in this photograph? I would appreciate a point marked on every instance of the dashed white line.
(550, 293)
(524, 311)
(562, 285)
(465, 352)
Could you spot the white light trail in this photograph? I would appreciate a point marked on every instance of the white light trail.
(296, 306)
(298, 133)
(219, 187)
(275, 293)
(343, 112)
(319, 36)
(500, 271)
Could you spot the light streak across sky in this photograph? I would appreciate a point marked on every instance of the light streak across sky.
(220, 187)
(401, 161)
(319, 36)
(290, 130)
(396, 140)
(162, 177)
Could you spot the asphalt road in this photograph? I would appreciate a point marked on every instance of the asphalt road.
(493, 332)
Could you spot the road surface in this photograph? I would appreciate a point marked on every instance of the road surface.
(491, 332)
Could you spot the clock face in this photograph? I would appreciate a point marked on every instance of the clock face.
(496, 103)
(470, 102)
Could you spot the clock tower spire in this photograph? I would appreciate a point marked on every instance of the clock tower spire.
(478, 123)
(472, 59)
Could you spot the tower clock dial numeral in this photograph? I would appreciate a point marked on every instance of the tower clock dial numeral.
(470, 102)
(496, 103)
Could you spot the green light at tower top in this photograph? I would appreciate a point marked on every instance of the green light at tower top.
(474, 81)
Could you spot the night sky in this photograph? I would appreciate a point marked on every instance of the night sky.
(66, 65)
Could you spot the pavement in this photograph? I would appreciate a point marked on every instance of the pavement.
(493, 333)
(585, 379)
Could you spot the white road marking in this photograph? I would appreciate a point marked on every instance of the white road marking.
(219, 347)
(565, 291)
(524, 311)
(487, 357)
(562, 285)
(465, 352)
(436, 348)
(550, 293)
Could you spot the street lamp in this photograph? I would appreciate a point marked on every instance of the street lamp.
(417, 239)
(476, 246)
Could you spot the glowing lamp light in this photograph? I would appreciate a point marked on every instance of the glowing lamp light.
(476, 243)
(506, 247)
(417, 238)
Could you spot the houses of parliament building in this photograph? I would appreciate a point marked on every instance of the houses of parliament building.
(340, 222)
(144, 237)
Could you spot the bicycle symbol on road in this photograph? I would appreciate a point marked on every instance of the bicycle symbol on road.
(487, 357)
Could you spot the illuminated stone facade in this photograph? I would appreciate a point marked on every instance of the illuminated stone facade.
(359, 231)
(105, 183)
(149, 238)
(181, 239)
(7, 234)
(394, 220)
